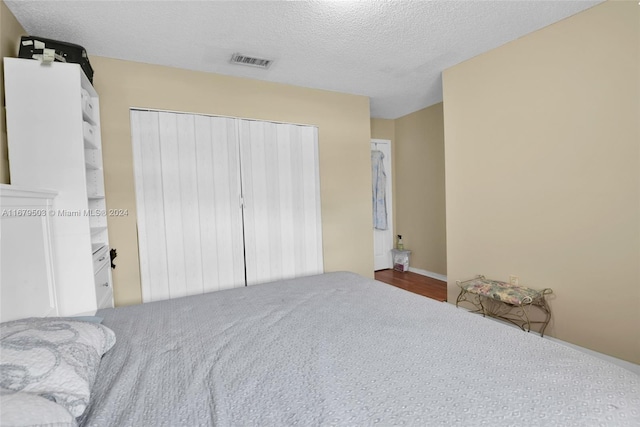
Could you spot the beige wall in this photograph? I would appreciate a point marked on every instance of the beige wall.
(344, 135)
(543, 172)
(420, 187)
(383, 129)
(10, 32)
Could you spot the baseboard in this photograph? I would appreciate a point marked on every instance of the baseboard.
(428, 274)
(622, 363)
(633, 367)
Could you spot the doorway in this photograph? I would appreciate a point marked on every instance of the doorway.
(383, 237)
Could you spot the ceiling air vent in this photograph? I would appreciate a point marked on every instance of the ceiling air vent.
(238, 58)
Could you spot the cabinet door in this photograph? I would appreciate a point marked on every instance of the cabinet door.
(281, 189)
(27, 284)
(188, 201)
(102, 282)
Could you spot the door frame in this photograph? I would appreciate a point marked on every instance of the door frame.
(378, 264)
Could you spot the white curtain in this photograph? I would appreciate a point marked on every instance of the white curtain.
(193, 172)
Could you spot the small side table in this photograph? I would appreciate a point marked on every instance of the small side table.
(400, 259)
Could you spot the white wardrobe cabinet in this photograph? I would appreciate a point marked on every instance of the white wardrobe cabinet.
(53, 130)
(223, 202)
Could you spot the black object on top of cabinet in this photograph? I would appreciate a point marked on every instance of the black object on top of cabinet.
(33, 47)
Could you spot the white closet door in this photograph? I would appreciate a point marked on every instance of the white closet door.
(281, 189)
(188, 201)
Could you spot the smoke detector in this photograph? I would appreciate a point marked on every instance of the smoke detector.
(238, 58)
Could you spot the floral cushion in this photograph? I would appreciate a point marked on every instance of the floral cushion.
(501, 291)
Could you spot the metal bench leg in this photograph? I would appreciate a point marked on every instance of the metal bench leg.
(460, 295)
(547, 311)
(526, 316)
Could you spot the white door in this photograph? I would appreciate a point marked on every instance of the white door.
(188, 199)
(281, 191)
(223, 202)
(383, 239)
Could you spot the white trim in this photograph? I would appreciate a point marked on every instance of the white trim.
(17, 191)
(428, 274)
(192, 113)
(389, 233)
(633, 367)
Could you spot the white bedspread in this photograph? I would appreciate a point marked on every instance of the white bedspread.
(340, 349)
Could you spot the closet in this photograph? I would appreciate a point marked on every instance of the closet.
(223, 202)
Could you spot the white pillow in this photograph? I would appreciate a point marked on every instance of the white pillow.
(31, 410)
(56, 358)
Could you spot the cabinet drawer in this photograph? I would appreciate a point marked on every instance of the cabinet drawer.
(100, 258)
(89, 135)
(88, 109)
(104, 293)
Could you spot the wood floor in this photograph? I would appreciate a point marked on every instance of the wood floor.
(416, 283)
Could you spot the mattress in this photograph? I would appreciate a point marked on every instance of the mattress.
(340, 349)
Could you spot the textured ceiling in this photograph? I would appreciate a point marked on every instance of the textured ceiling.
(391, 51)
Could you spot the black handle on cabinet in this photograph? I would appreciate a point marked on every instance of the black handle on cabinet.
(113, 254)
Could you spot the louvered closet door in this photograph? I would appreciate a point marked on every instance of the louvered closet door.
(281, 189)
(188, 201)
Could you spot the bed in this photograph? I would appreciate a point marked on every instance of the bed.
(340, 349)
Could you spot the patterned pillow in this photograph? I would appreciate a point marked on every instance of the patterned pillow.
(56, 358)
(31, 410)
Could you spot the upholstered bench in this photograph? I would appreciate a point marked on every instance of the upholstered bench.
(505, 301)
